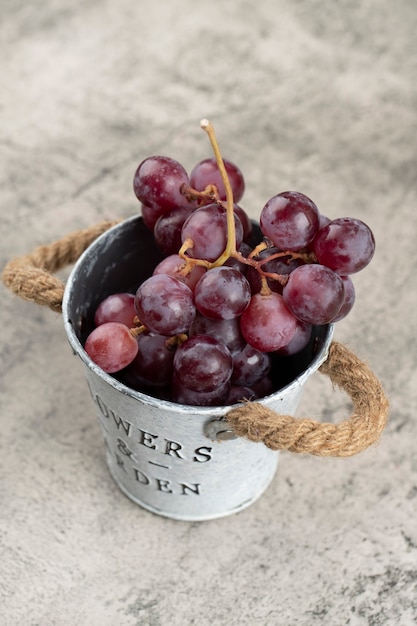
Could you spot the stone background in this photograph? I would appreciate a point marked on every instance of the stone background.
(318, 97)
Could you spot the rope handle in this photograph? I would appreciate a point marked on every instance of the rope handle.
(31, 277)
(346, 438)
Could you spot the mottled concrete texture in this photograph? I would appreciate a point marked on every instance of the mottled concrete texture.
(317, 98)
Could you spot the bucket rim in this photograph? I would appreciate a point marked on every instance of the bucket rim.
(78, 349)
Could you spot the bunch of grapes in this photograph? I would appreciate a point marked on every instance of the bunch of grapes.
(204, 329)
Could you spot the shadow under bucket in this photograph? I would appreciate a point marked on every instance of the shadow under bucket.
(175, 460)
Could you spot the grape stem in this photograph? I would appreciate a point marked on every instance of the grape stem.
(230, 249)
(138, 330)
(189, 261)
(265, 288)
(172, 343)
(211, 193)
(258, 249)
(187, 245)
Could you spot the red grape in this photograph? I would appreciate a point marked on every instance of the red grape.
(349, 299)
(264, 388)
(250, 366)
(111, 346)
(346, 245)
(118, 307)
(202, 363)
(167, 230)
(290, 220)
(207, 227)
(165, 305)
(183, 395)
(323, 220)
(314, 293)
(153, 364)
(225, 331)
(245, 220)
(240, 393)
(299, 341)
(222, 293)
(150, 215)
(173, 264)
(266, 323)
(157, 182)
(207, 173)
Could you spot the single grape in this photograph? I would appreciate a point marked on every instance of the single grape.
(202, 363)
(153, 364)
(174, 264)
(250, 366)
(314, 293)
(240, 393)
(346, 245)
(246, 222)
(167, 229)
(207, 173)
(207, 228)
(264, 387)
(150, 215)
(165, 305)
(349, 299)
(183, 395)
(222, 293)
(299, 341)
(290, 220)
(111, 346)
(323, 220)
(131, 380)
(157, 182)
(234, 262)
(226, 332)
(118, 307)
(266, 323)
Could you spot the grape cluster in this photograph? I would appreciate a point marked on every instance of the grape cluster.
(204, 327)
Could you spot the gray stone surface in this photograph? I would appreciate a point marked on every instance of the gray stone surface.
(304, 96)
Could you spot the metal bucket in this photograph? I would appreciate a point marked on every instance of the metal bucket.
(178, 461)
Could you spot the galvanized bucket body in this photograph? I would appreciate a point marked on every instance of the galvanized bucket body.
(175, 460)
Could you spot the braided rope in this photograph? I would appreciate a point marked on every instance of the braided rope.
(31, 277)
(346, 438)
